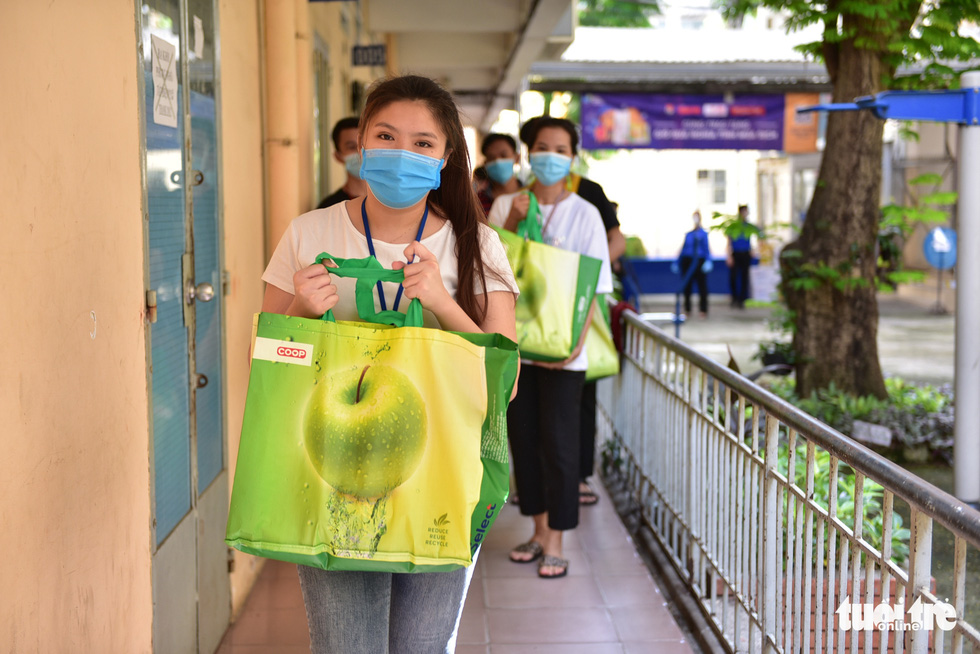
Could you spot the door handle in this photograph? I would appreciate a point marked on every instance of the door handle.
(203, 292)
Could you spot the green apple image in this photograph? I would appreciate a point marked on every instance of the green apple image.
(365, 430)
(533, 291)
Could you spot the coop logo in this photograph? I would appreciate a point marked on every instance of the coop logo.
(888, 617)
(271, 349)
(481, 531)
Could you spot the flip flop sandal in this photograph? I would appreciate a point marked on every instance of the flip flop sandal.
(553, 562)
(531, 547)
(588, 497)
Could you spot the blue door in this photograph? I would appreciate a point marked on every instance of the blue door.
(182, 216)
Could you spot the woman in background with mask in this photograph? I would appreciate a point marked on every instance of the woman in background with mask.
(543, 420)
(420, 215)
(500, 155)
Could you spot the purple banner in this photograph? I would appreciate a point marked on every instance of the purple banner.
(682, 122)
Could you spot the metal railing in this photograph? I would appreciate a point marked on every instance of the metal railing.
(775, 521)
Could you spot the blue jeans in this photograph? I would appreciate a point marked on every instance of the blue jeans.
(379, 612)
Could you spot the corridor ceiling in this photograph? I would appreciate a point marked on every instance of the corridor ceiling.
(479, 49)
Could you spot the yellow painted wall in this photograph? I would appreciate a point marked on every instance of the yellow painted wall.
(304, 105)
(336, 23)
(74, 477)
(327, 19)
(244, 200)
(74, 474)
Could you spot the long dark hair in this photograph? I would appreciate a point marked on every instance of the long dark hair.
(455, 198)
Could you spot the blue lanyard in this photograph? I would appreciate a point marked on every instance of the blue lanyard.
(367, 233)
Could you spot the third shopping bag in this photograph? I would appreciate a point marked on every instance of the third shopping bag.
(603, 356)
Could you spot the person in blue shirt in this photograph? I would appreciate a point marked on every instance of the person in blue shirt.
(695, 252)
(739, 260)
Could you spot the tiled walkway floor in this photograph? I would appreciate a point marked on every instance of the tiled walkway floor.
(607, 603)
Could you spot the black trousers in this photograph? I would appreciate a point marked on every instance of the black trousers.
(738, 277)
(699, 278)
(586, 433)
(543, 429)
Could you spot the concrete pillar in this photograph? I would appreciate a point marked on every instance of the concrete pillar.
(392, 68)
(282, 128)
(304, 105)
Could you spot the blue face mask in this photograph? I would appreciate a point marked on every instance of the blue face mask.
(550, 167)
(352, 163)
(398, 178)
(501, 170)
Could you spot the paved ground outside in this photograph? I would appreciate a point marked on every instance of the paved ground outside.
(914, 342)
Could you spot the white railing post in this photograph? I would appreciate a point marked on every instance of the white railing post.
(920, 574)
(770, 537)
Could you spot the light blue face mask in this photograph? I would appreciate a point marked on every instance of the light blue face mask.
(399, 178)
(501, 170)
(352, 163)
(550, 167)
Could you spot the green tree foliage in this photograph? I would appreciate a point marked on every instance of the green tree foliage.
(829, 272)
(922, 34)
(616, 13)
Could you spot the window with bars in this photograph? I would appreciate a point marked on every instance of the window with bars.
(712, 187)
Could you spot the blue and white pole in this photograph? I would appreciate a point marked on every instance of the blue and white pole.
(966, 433)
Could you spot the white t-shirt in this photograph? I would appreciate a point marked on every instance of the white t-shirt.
(330, 230)
(575, 225)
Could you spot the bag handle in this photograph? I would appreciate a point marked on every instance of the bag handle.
(368, 272)
(530, 227)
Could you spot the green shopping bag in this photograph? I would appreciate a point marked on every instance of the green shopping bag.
(603, 357)
(371, 447)
(557, 287)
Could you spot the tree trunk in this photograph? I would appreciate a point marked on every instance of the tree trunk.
(837, 323)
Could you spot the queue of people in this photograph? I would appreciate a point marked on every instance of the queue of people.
(544, 435)
(497, 148)
(409, 199)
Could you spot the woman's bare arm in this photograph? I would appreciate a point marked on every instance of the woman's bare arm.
(500, 319)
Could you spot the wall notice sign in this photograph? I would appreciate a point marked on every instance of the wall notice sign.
(368, 55)
(198, 37)
(164, 64)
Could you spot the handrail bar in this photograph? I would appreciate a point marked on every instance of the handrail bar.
(934, 502)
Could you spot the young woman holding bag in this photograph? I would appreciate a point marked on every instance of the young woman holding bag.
(543, 420)
(420, 215)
